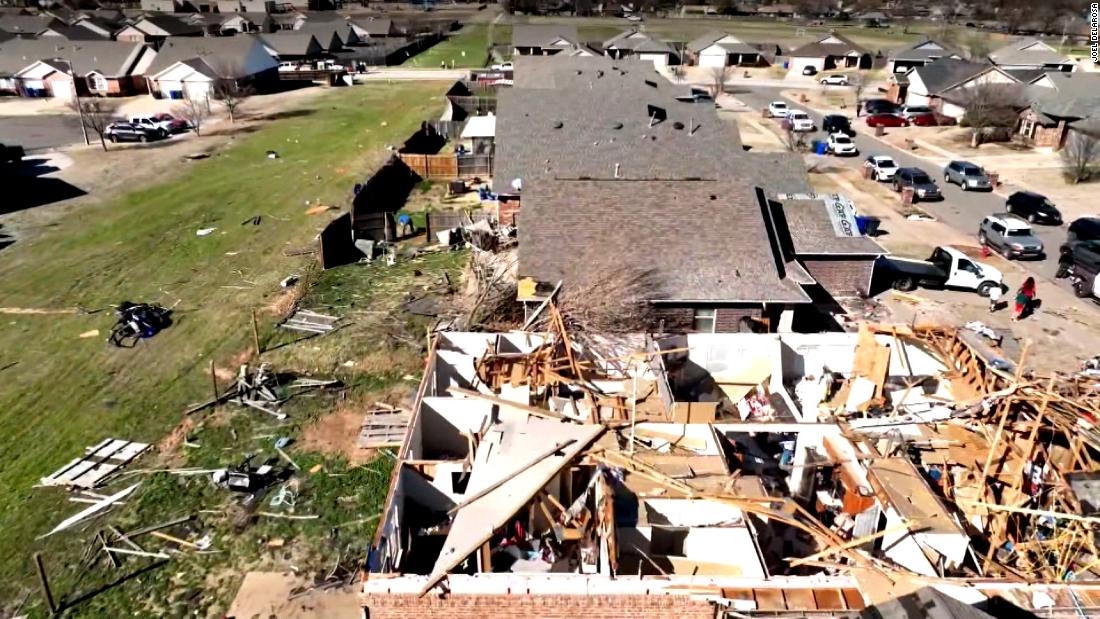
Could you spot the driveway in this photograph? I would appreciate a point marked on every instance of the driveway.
(962, 210)
(40, 132)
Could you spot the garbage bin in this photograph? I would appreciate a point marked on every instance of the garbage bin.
(880, 131)
(867, 225)
(908, 195)
(820, 147)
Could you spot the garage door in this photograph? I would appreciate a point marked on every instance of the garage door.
(712, 60)
(62, 89)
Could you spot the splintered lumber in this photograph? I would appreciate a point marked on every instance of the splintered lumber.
(91, 511)
(542, 306)
(310, 322)
(383, 428)
(1031, 512)
(99, 462)
(859, 541)
(45, 583)
(539, 458)
(527, 408)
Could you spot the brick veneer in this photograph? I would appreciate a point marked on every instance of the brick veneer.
(409, 606)
(842, 277)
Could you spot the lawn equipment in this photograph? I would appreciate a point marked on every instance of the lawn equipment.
(137, 321)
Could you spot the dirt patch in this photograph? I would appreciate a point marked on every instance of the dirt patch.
(338, 433)
(264, 594)
(169, 449)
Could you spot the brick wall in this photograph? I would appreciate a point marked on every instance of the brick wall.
(726, 320)
(409, 606)
(842, 277)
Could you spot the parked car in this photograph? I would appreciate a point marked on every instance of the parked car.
(837, 123)
(504, 66)
(924, 188)
(945, 268)
(909, 111)
(162, 129)
(1034, 207)
(886, 120)
(966, 175)
(1012, 237)
(175, 125)
(127, 132)
(778, 109)
(883, 167)
(1081, 258)
(842, 145)
(880, 106)
(1084, 229)
(810, 70)
(799, 121)
(932, 119)
(835, 80)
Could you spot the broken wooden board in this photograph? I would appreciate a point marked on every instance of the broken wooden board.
(383, 428)
(310, 322)
(98, 463)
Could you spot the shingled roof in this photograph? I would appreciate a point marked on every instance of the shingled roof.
(811, 231)
(108, 58)
(926, 50)
(226, 56)
(701, 240)
(1027, 52)
(26, 24)
(819, 48)
(542, 35)
(946, 73)
(637, 42)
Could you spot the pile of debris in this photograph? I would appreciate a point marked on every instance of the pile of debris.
(261, 389)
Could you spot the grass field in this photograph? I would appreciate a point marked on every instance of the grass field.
(61, 392)
(467, 48)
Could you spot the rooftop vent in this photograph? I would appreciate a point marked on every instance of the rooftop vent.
(677, 125)
(651, 83)
(557, 124)
(616, 125)
(713, 197)
(599, 73)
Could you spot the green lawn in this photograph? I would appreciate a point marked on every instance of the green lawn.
(61, 392)
(467, 48)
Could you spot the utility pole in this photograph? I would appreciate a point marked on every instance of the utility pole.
(76, 93)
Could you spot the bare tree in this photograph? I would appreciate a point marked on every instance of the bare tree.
(795, 140)
(990, 109)
(719, 76)
(977, 48)
(232, 95)
(194, 110)
(96, 114)
(1081, 154)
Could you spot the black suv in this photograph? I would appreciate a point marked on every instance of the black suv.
(837, 123)
(880, 106)
(1034, 207)
(127, 132)
(1079, 258)
(924, 188)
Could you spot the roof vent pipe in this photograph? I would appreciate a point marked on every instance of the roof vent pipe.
(692, 127)
(616, 170)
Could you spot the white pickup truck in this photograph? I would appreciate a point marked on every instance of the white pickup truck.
(947, 267)
(152, 124)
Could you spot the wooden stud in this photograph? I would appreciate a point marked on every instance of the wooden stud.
(45, 583)
(255, 334)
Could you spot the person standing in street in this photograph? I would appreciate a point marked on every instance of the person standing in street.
(995, 298)
(1024, 298)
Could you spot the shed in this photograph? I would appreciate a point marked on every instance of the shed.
(479, 134)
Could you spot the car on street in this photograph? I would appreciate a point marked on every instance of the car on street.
(967, 176)
(1034, 207)
(1079, 258)
(810, 70)
(837, 123)
(886, 120)
(129, 132)
(947, 267)
(924, 188)
(778, 109)
(175, 125)
(834, 80)
(909, 111)
(799, 121)
(1084, 229)
(880, 106)
(883, 167)
(162, 129)
(932, 119)
(841, 145)
(1011, 237)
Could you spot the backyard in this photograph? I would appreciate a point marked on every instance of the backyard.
(64, 388)
(466, 49)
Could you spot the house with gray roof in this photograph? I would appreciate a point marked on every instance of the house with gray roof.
(40, 67)
(918, 55)
(1060, 103)
(193, 67)
(72, 33)
(544, 39)
(1030, 54)
(292, 47)
(943, 84)
(26, 26)
(721, 49)
(375, 28)
(637, 44)
(830, 52)
(154, 29)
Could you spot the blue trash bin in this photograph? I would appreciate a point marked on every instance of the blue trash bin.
(820, 148)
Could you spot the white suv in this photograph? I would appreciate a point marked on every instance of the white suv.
(883, 167)
(152, 124)
(800, 121)
(777, 109)
(835, 80)
(841, 145)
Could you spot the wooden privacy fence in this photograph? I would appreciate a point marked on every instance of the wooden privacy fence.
(448, 166)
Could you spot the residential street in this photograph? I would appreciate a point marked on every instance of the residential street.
(962, 210)
(40, 131)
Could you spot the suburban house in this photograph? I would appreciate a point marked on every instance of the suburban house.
(918, 55)
(781, 10)
(1060, 103)
(333, 36)
(292, 48)
(942, 85)
(374, 28)
(873, 19)
(831, 52)
(72, 33)
(720, 49)
(100, 24)
(543, 40)
(592, 152)
(246, 6)
(633, 43)
(192, 67)
(1030, 54)
(26, 26)
(155, 29)
(288, 21)
(40, 67)
(243, 23)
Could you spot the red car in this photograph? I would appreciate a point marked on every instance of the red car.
(175, 125)
(886, 120)
(932, 119)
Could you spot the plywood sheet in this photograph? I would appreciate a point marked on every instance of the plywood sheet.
(800, 599)
(829, 599)
(770, 599)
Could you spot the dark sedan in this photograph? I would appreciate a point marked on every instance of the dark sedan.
(886, 120)
(1034, 207)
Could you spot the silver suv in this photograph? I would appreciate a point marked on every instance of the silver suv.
(1012, 237)
(966, 175)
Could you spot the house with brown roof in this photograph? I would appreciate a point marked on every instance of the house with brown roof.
(833, 51)
(375, 28)
(1059, 104)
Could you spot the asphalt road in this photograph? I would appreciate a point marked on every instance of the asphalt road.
(40, 132)
(962, 210)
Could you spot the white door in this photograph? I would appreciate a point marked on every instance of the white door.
(964, 274)
(62, 89)
(712, 60)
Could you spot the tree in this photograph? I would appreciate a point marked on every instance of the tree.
(1080, 154)
(990, 108)
(977, 48)
(194, 110)
(232, 95)
(796, 140)
(719, 76)
(96, 114)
